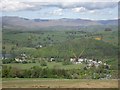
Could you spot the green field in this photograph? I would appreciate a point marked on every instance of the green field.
(49, 65)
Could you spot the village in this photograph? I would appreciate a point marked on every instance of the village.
(88, 63)
(23, 58)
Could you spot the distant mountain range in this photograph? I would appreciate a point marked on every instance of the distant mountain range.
(18, 22)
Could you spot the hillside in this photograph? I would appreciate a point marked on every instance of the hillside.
(24, 23)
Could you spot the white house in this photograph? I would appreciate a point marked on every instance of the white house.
(80, 60)
(94, 62)
(90, 60)
(17, 59)
(104, 64)
(51, 59)
(99, 62)
(85, 59)
(72, 59)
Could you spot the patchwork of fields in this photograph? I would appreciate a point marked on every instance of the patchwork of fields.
(41, 58)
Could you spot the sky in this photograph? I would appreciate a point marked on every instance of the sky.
(54, 9)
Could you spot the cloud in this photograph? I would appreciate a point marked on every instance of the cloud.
(92, 11)
(9, 5)
(69, 0)
(83, 10)
(16, 5)
(57, 12)
(88, 5)
(79, 9)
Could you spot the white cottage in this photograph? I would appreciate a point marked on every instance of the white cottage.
(80, 60)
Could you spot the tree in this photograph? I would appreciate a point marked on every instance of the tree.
(4, 52)
(35, 72)
(5, 71)
(6, 61)
(66, 62)
(43, 63)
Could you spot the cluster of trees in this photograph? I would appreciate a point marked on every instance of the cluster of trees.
(7, 61)
(43, 63)
(34, 72)
(38, 72)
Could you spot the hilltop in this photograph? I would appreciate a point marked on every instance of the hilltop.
(13, 22)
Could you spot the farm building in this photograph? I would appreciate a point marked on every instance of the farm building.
(21, 58)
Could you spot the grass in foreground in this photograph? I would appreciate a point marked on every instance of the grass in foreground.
(57, 83)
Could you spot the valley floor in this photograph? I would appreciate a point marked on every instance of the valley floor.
(57, 83)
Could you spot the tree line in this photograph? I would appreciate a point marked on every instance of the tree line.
(38, 72)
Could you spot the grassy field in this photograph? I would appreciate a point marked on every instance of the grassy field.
(49, 65)
(57, 83)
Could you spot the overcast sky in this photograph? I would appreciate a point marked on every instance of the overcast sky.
(52, 9)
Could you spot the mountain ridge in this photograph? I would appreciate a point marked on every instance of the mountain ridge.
(19, 22)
